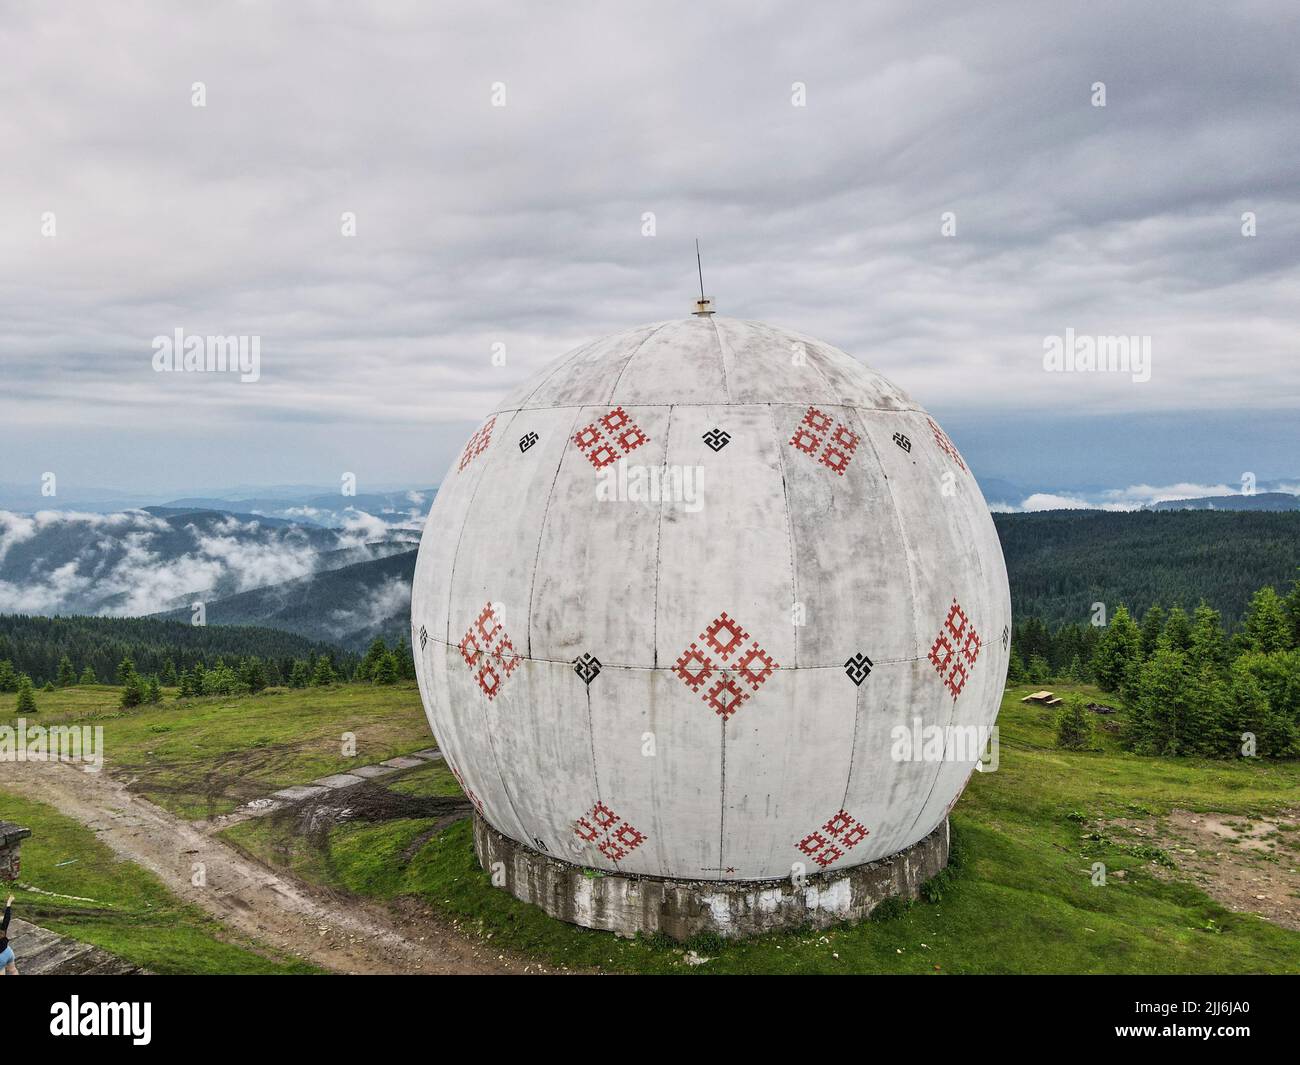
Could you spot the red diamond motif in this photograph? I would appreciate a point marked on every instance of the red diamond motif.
(724, 637)
(725, 697)
(616, 435)
(614, 837)
(694, 667)
(834, 839)
(488, 652)
(806, 441)
(478, 443)
(841, 442)
(755, 666)
(957, 632)
(945, 445)
(818, 421)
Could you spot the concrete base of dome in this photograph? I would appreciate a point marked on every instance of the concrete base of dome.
(680, 909)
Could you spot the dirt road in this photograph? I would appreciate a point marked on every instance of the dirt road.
(348, 936)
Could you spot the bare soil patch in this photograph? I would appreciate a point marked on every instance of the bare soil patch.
(1246, 864)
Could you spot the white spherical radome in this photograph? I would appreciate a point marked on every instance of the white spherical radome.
(688, 597)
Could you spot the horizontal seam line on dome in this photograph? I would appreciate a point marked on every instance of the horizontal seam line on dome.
(722, 403)
(669, 669)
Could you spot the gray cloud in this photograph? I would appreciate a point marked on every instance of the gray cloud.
(522, 224)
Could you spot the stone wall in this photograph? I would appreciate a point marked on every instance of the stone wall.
(11, 837)
(681, 908)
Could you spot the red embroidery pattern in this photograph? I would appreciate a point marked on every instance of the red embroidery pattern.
(722, 639)
(836, 441)
(833, 840)
(945, 445)
(609, 438)
(614, 838)
(477, 444)
(955, 650)
(469, 792)
(488, 652)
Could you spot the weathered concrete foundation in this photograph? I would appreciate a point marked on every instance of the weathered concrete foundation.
(627, 905)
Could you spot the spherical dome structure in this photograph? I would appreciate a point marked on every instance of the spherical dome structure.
(704, 600)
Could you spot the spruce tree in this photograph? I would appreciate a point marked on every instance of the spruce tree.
(386, 670)
(1118, 648)
(1178, 628)
(1266, 628)
(324, 673)
(88, 675)
(1159, 700)
(26, 696)
(374, 655)
(1153, 627)
(405, 660)
(67, 675)
(8, 678)
(300, 674)
(1073, 727)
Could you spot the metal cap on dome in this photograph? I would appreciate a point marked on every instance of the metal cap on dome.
(703, 307)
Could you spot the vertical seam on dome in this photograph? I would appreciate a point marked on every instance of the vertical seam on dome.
(789, 530)
(565, 364)
(911, 587)
(541, 531)
(723, 351)
(451, 585)
(637, 351)
(659, 540)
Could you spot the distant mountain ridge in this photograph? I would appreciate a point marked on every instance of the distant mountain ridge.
(1278, 501)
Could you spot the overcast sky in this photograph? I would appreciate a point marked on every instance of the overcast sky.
(523, 224)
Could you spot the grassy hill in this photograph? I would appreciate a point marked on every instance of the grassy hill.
(1022, 900)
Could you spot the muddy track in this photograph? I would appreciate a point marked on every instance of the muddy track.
(340, 934)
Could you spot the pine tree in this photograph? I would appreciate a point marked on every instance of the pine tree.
(324, 673)
(1266, 628)
(1153, 627)
(125, 672)
(1073, 727)
(1179, 630)
(67, 675)
(1118, 648)
(88, 675)
(300, 674)
(1015, 669)
(1293, 612)
(405, 660)
(169, 676)
(8, 678)
(386, 670)
(253, 674)
(1039, 670)
(26, 696)
(133, 691)
(1159, 700)
(374, 655)
(1205, 707)
(1208, 646)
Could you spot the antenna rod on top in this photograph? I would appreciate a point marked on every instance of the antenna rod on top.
(703, 305)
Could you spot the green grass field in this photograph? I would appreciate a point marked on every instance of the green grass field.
(1021, 901)
(118, 905)
(203, 757)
